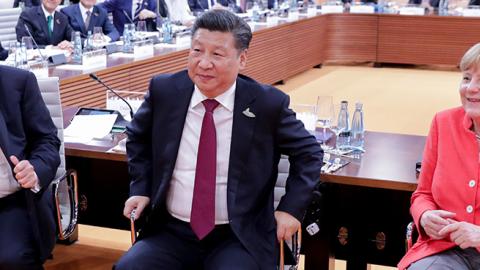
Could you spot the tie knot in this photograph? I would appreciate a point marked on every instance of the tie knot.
(88, 12)
(210, 104)
(49, 17)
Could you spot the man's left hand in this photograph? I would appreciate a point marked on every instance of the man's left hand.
(146, 14)
(24, 173)
(463, 234)
(287, 225)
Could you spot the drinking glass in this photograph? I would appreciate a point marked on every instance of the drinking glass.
(141, 26)
(307, 114)
(28, 43)
(337, 129)
(97, 38)
(325, 117)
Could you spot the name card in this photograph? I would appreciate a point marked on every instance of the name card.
(326, 9)
(471, 12)
(142, 49)
(311, 11)
(412, 11)
(93, 59)
(293, 16)
(362, 9)
(40, 69)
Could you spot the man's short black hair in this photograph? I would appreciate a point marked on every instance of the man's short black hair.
(225, 21)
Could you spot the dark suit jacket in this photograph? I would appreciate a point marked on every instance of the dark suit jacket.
(28, 3)
(36, 22)
(154, 138)
(27, 131)
(3, 53)
(98, 18)
(119, 7)
(200, 5)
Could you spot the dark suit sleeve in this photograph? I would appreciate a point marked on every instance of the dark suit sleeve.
(42, 141)
(108, 5)
(68, 31)
(110, 30)
(305, 156)
(139, 143)
(3, 53)
(20, 28)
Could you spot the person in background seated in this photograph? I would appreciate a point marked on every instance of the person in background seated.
(203, 152)
(28, 162)
(47, 26)
(202, 5)
(128, 11)
(445, 206)
(28, 3)
(178, 10)
(83, 17)
(3, 53)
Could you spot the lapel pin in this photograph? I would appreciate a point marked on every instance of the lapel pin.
(248, 113)
(57, 21)
(95, 14)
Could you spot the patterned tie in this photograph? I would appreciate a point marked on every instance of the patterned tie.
(50, 25)
(87, 20)
(202, 217)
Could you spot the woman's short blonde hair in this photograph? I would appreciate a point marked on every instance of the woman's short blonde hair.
(471, 58)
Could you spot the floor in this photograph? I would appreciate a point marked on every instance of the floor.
(400, 100)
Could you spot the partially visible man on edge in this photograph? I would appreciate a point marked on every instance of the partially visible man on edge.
(203, 151)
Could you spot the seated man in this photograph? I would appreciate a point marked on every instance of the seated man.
(83, 17)
(203, 152)
(3, 53)
(47, 26)
(28, 3)
(131, 11)
(201, 5)
(28, 162)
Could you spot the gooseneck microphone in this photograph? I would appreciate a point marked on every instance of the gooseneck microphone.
(34, 42)
(95, 78)
(128, 17)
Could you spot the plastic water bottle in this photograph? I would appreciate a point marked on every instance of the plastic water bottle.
(293, 5)
(358, 130)
(127, 39)
(77, 48)
(167, 31)
(443, 8)
(88, 42)
(343, 139)
(256, 12)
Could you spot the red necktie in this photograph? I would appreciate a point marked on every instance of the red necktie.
(202, 217)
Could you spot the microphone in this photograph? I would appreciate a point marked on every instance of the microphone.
(128, 17)
(34, 42)
(95, 78)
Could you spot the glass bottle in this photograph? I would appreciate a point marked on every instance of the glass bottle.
(77, 48)
(88, 42)
(167, 31)
(255, 12)
(343, 139)
(358, 130)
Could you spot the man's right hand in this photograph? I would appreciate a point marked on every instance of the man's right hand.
(135, 202)
(433, 221)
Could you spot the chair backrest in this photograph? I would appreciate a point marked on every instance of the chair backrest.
(50, 90)
(8, 21)
(4, 4)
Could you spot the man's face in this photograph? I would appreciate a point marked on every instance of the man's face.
(214, 62)
(88, 3)
(51, 5)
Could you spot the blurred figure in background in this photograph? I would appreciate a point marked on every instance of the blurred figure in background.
(131, 11)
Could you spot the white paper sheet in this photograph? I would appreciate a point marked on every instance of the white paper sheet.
(84, 128)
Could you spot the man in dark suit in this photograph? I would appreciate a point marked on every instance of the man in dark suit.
(210, 183)
(128, 11)
(28, 162)
(3, 53)
(201, 5)
(79, 15)
(47, 26)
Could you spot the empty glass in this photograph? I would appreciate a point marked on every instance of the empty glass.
(141, 26)
(27, 42)
(325, 117)
(307, 114)
(97, 38)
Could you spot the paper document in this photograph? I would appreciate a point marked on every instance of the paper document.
(88, 127)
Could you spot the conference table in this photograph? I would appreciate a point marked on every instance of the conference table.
(367, 197)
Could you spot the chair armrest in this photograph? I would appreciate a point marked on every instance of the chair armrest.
(65, 199)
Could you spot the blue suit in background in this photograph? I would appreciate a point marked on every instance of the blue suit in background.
(28, 3)
(27, 224)
(99, 18)
(118, 8)
(35, 20)
(200, 5)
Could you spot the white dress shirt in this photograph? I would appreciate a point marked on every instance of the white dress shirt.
(180, 195)
(83, 11)
(46, 13)
(8, 184)
(179, 10)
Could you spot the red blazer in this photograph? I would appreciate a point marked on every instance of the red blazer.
(449, 179)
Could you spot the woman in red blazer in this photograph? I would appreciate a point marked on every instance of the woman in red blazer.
(446, 205)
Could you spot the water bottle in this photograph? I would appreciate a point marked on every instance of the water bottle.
(167, 31)
(343, 139)
(380, 6)
(88, 42)
(77, 48)
(256, 12)
(358, 130)
(443, 8)
(127, 39)
(293, 5)
(18, 55)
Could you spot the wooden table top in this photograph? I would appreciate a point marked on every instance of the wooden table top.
(389, 160)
